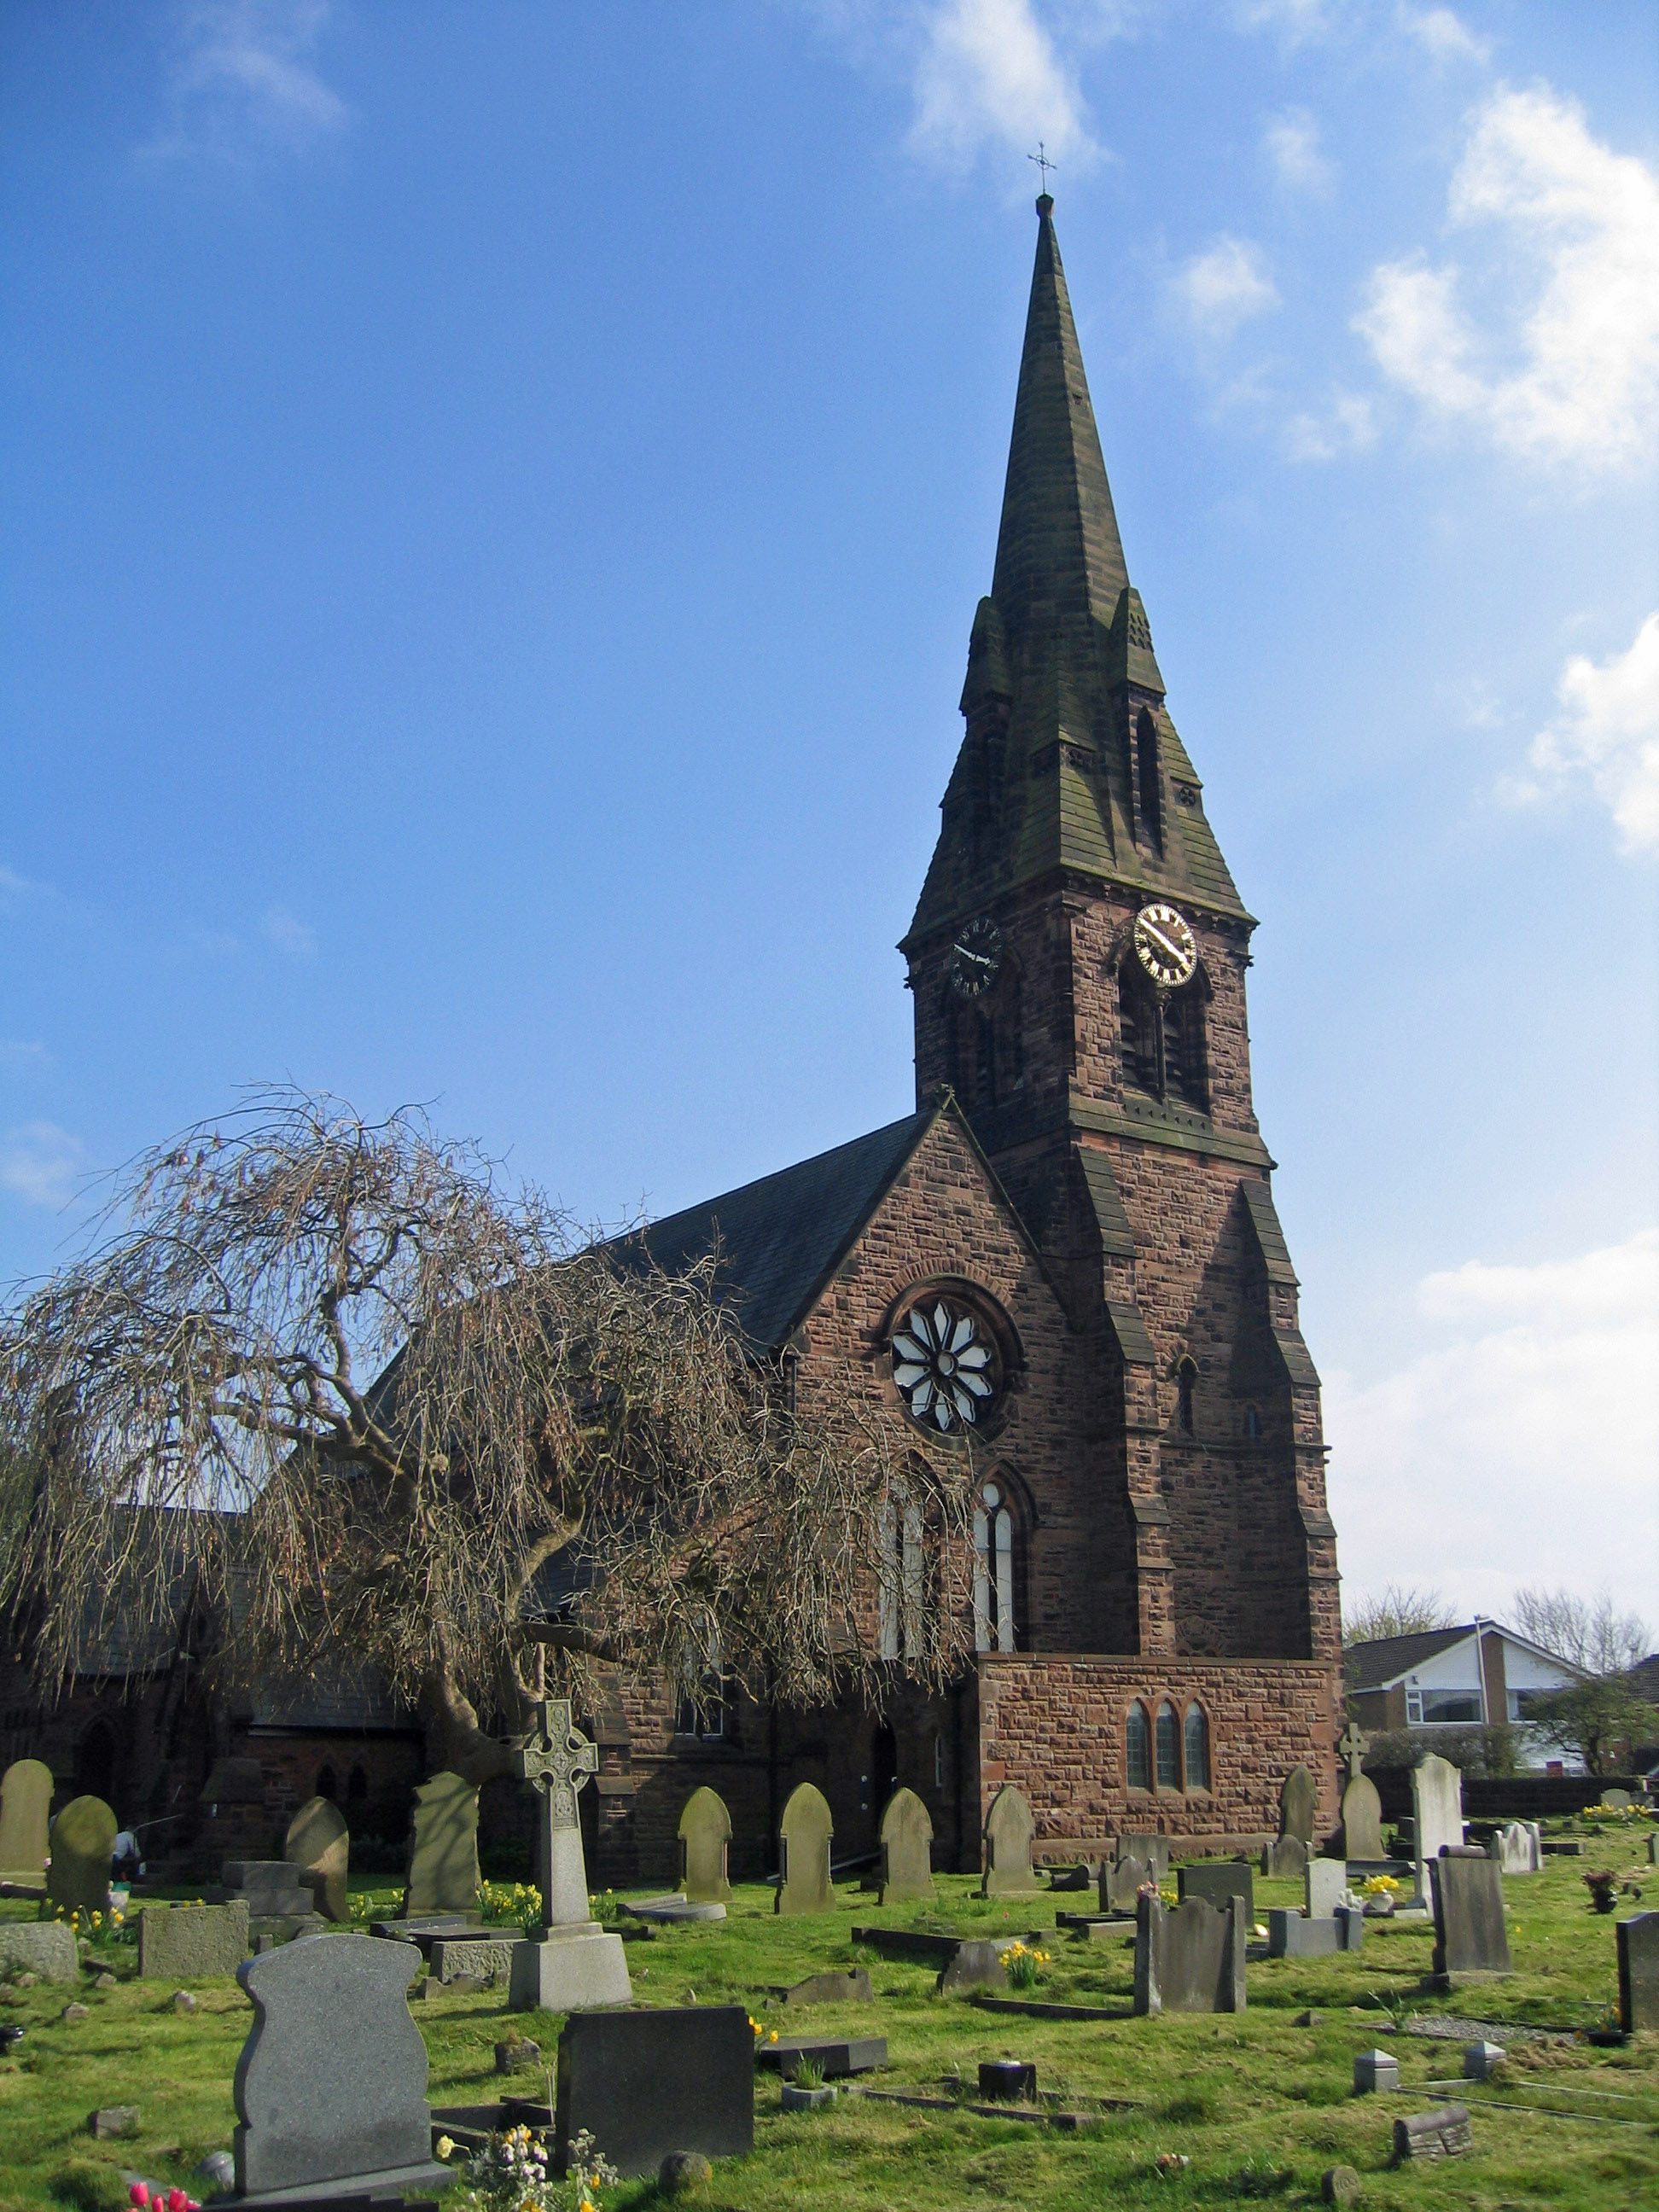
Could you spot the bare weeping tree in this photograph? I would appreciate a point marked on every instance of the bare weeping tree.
(339, 1390)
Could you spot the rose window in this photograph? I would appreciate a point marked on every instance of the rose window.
(943, 1366)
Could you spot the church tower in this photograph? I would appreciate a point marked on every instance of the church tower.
(1078, 959)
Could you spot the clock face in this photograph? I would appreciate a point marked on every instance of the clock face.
(976, 957)
(1165, 946)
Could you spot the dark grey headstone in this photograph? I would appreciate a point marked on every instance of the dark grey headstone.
(646, 2083)
(1191, 1959)
(834, 2054)
(851, 1985)
(1121, 1881)
(1470, 1936)
(976, 1965)
(1295, 1935)
(1214, 1881)
(331, 2082)
(1146, 1845)
(1013, 2078)
(1638, 1973)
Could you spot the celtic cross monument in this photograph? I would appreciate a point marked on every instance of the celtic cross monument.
(572, 1962)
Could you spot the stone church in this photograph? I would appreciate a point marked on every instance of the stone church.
(1069, 1252)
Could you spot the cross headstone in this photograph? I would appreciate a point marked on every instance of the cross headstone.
(330, 2086)
(82, 1837)
(318, 1845)
(1009, 1828)
(556, 1761)
(906, 1849)
(1353, 1744)
(705, 1836)
(803, 1834)
(25, 1809)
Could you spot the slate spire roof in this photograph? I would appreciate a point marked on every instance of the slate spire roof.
(1060, 666)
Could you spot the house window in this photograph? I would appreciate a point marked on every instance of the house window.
(1137, 1744)
(1414, 1708)
(707, 1725)
(993, 1573)
(1197, 1748)
(1444, 1706)
(1169, 1747)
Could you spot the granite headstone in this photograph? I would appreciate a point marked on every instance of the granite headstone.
(1009, 1828)
(1191, 1959)
(82, 1837)
(643, 2084)
(1638, 1973)
(1325, 1886)
(705, 1836)
(318, 1845)
(1437, 1813)
(191, 1942)
(25, 1812)
(906, 1849)
(331, 2082)
(803, 1835)
(43, 1947)
(1471, 1939)
(443, 1848)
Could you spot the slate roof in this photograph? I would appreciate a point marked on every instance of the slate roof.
(782, 1237)
(1369, 1666)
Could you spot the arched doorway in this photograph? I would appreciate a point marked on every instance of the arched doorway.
(884, 1770)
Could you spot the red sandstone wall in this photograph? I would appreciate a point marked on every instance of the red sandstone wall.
(1053, 1726)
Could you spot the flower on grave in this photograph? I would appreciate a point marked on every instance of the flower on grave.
(445, 2146)
(773, 2036)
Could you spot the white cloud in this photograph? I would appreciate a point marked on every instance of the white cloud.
(1580, 321)
(1293, 144)
(40, 1162)
(988, 75)
(288, 932)
(1224, 286)
(1608, 730)
(1521, 1447)
(242, 65)
(1294, 19)
(1347, 425)
(1444, 35)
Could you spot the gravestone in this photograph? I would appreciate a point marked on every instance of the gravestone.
(1326, 1886)
(1214, 1883)
(1617, 1801)
(1470, 1938)
(834, 2055)
(1362, 1820)
(1145, 1845)
(278, 1907)
(1653, 1850)
(1437, 1813)
(1295, 1935)
(976, 1965)
(1482, 2060)
(480, 1958)
(1638, 1973)
(1009, 1828)
(803, 1835)
(318, 1845)
(82, 1838)
(1299, 1803)
(190, 1943)
(1191, 1959)
(848, 1985)
(574, 1962)
(1287, 1856)
(705, 1834)
(25, 1809)
(443, 1848)
(1374, 2070)
(1444, 2133)
(906, 1849)
(330, 2086)
(643, 2084)
(1518, 1848)
(43, 1947)
(1121, 1881)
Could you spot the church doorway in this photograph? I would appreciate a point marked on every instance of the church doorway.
(883, 1770)
(94, 1763)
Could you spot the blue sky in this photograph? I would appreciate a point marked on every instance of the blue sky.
(494, 501)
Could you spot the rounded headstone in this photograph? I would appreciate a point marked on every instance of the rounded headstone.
(1339, 2185)
(804, 1832)
(906, 1849)
(1299, 1803)
(82, 1839)
(705, 1830)
(1009, 1829)
(25, 1809)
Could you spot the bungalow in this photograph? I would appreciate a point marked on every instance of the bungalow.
(1474, 1676)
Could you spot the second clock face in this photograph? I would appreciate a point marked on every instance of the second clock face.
(1165, 946)
(976, 957)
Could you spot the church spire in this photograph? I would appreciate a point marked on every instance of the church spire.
(1059, 555)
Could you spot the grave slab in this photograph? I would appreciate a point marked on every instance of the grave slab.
(1191, 1959)
(804, 1836)
(670, 1911)
(191, 1942)
(837, 2055)
(1637, 1939)
(331, 2086)
(1444, 2133)
(1471, 1939)
(647, 2084)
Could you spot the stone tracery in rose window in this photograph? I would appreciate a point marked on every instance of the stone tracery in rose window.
(945, 1365)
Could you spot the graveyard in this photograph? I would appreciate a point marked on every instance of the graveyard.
(1259, 2102)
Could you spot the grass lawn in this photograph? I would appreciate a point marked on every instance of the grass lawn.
(1259, 2105)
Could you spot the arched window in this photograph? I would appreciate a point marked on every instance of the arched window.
(1184, 1076)
(1169, 1747)
(1162, 1039)
(1137, 1015)
(1146, 784)
(993, 1573)
(1198, 1748)
(901, 1626)
(357, 1786)
(1186, 1382)
(327, 1786)
(1252, 1424)
(1137, 1744)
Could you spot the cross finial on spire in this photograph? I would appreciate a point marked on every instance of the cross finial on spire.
(1041, 157)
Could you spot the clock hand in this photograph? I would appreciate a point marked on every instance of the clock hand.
(1174, 952)
(978, 959)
